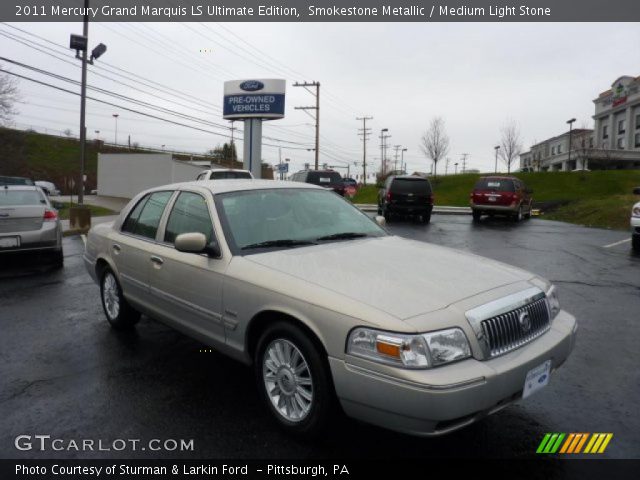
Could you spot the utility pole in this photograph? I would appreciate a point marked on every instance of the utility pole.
(446, 167)
(403, 166)
(497, 147)
(395, 158)
(464, 162)
(365, 136)
(233, 128)
(383, 150)
(316, 108)
(116, 115)
(83, 103)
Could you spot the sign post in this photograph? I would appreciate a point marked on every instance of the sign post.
(253, 101)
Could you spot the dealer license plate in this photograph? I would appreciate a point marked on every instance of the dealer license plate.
(9, 242)
(536, 379)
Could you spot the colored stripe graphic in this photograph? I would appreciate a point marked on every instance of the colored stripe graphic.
(573, 443)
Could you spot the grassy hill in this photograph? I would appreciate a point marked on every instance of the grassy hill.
(598, 198)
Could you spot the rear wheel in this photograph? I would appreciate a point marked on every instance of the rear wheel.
(120, 314)
(635, 243)
(476, 215)
(527, 215)
(425, 218)
(518, 215)
(294, 380)
(57, 259)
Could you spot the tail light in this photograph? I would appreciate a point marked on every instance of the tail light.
(388, 196)
(50, 215)
(432, 197)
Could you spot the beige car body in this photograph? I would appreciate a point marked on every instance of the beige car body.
(391, 284)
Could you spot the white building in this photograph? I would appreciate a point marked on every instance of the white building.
(614, 143)
(125, 175)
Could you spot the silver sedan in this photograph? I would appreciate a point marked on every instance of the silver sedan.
(29, 223)
(328, 307)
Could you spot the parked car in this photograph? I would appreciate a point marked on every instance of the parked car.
(329, 179)
(413, 336)
(48, 187)
(501, 195)
(4, 180)
(350, 182)
(635, 223)
(29, 223)
(224, 174)
(406, 195)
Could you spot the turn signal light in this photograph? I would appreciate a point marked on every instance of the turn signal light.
(390, 349)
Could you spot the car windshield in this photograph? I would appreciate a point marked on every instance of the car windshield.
(290, 218)
(229, 175)
(15, 181)
(498, 184)
(411, 185)
(10, 197)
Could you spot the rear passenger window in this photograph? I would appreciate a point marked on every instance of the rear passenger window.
(146, 224)
(129, 224)
(189, 214)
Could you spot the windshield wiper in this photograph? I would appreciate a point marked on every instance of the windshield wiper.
(343, 236)
(278, 243)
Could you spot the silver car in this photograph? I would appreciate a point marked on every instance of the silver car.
(29, 223)
(328, 307)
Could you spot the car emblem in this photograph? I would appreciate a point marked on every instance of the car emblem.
(251, 85)
(525, 321)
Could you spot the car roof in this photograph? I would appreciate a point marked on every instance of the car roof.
(237, 185)
(500, 177)
(226, 170)
(413, 177)
(19, 187)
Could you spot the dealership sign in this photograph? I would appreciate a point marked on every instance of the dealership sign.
(253, 98)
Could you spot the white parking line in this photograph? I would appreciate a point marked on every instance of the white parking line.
(617, 243)
(84, 239)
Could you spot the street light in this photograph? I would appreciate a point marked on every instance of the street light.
(456, 165)
(570, 122)
(97, 132)
(116, 115)
(383, 137)
(497, 147)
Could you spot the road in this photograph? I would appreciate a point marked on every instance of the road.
(67, 374)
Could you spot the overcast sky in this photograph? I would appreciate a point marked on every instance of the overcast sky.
(475, 76)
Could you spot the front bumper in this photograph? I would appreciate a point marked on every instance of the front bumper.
(444, 399)
(635, 225)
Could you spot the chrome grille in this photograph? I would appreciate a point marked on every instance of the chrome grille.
(509, 331)
(10, 225)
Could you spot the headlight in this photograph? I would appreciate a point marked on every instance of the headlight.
(554, 303)
(635, 211)
(409, 351)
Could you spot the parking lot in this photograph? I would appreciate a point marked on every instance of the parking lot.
(65, 373)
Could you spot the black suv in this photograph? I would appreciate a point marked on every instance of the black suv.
(324, 178)
(406, 195)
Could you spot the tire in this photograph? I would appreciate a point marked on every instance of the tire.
(635, 243)
(119, 313)
(387, 216)
(425, 219)
(57, 259)
(517, 217)
(307, 407)
(527, 215)
(476, 215)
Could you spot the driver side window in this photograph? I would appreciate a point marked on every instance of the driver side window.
(189, 214)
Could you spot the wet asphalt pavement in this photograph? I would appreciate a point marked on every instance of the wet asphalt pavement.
(65, 373)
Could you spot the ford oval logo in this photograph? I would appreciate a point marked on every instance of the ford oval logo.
(525, 321)
(542, 378)
(251, 85)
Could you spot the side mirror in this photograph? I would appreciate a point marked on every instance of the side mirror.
(636, 191)
(380, 220)
(57, 205)
(197, 243)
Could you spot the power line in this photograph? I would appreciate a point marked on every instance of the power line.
(317, 109)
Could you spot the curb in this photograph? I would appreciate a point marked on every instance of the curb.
(443, 210)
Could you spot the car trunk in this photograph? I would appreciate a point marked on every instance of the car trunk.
(21, 218)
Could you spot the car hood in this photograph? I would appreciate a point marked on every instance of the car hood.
(400, 277)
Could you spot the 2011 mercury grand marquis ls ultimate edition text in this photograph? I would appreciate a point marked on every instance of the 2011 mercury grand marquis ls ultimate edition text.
(413, 337)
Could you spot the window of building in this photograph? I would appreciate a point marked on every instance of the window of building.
(637, 142)
(605, 131)
(591, 142)
(620, 143)
(559, 148)
(638, 121)
(621, 126)
(553, 150)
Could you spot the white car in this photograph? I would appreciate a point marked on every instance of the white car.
(48, 187)
(635, 223)
(224, 174)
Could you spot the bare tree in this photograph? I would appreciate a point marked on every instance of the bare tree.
(435, 142)
(510, 143)
(8, 97)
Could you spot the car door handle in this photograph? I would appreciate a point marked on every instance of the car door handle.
(116, 248)
(156, 260)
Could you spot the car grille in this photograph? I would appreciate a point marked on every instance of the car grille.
(10, 225)
(509, 331)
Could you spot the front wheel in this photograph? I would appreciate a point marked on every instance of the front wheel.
(294, 380)
(635, 243)
(119, 313)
